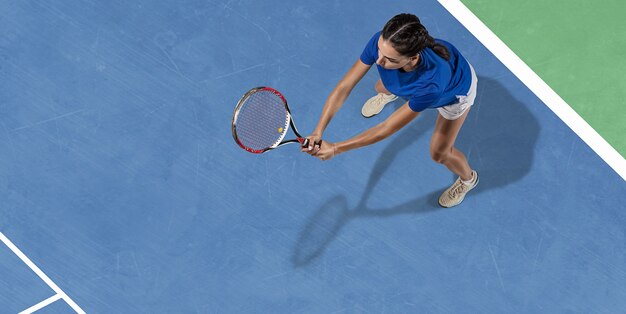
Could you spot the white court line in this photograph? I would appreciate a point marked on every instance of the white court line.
(536, 85)
(41, 304)
(39, 273)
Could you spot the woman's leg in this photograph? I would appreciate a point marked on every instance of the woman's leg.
(442, 148)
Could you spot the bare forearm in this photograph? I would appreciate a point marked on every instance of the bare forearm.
(340, 94)
(401, 117)
(371, 136)
(333, 104)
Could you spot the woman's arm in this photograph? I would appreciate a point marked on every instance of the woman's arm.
(401, 117)
(337, 98)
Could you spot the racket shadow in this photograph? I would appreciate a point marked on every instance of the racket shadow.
(498, 138)
(330, 218)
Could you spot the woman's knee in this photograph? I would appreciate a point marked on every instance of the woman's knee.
(440, 154)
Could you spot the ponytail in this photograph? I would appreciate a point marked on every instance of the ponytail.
(438, 48)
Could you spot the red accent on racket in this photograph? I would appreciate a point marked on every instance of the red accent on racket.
(261, 120)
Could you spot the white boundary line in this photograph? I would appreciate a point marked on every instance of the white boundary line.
(41, 304)
(39, 273)
(536, 85)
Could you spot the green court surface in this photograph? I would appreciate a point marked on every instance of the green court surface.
(577, 47)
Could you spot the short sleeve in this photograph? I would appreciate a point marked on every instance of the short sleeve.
(370, 52)
(425, 99)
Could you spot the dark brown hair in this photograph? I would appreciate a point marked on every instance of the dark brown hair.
(409, 37)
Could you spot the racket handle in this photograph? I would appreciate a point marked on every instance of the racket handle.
(305, 143)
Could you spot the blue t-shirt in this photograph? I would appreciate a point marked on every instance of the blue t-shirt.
(434, 83)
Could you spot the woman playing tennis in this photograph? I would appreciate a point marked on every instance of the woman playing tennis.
(430, 73)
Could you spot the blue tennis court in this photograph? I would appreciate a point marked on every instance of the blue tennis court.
(120, 179)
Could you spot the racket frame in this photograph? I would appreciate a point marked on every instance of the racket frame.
(280, 142)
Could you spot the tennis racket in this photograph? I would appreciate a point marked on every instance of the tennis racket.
(261, 121)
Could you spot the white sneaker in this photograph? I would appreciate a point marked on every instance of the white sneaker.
(375, 105)
(455, 194)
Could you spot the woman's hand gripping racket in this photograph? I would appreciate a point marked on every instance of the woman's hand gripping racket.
(261, 120)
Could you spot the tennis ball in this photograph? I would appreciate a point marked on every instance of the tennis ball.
(280, 130)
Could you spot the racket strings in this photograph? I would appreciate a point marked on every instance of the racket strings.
(262, 121)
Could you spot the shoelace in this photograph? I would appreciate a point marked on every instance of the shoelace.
(458, 188)
(379, 100)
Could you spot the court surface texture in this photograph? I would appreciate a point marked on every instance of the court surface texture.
(122, 190)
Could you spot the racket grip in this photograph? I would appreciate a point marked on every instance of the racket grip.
(305, 143)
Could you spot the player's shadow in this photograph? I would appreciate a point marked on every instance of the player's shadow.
(498, 137)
